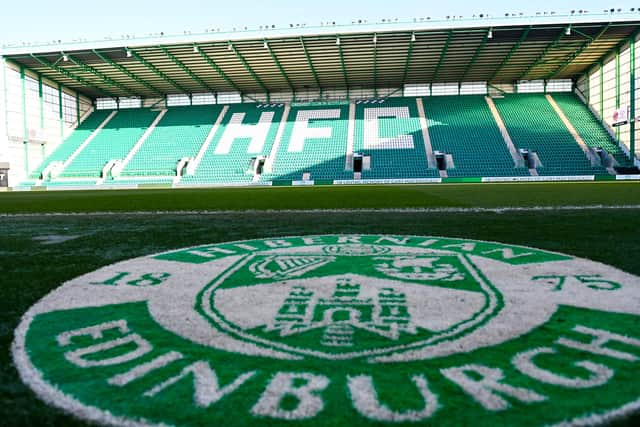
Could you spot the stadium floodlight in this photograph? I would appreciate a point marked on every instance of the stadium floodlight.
(337, 41)
(195, 48)
(65, 58)
(568, 31)
(128, 53)
(229, 46)
(490, 33)
(413, 37)
(266, 45)
(375, 39)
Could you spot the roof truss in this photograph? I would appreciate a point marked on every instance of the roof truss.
(126, 72)
(512, 52)
(443, 53)
(156, 71)
(108, 80)
(67, 73)
(247, 67)
(310, 63)
(186, 69)
(279, 65)
(317, 61)
(575, 54)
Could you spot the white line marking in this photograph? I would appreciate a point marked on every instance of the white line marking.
(499, 210)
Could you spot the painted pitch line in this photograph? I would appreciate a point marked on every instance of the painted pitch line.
(499, 210)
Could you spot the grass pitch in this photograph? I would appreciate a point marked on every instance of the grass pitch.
(39, 252)
(329, 197)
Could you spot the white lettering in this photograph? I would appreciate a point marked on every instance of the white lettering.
(95, 332)
(77, 357)
(372, 138)
(485, 390)
(312, 240)
(597, 345)
(288, 384)
(211, 252)
(207, 389)
(467, 247)
(349, 239)
(142, 370)
(277, 243)
(600, 374)
(394, 240)
(301, 130)
(507, 253)
(235, 130)
(365, 400)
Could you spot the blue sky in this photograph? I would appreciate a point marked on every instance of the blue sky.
(46, 20)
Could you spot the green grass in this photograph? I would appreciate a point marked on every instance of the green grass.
(329, 197)
(30, 269)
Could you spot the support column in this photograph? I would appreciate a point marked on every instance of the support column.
(602, 92)
(618, 90)
(78, 113)
(61, 115)
(4, 128)
(588, 89)
(41, 100)
(25, 136)
(632, 97)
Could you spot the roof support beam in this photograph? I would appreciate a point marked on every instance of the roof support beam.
(219, 70)
(512, 52)
(313, 69)
(108, 80)
(407, 62)
(577, 53)
(375, 67)
(540, 59)
(343, 66)
(475, 56)
(187, 71)
(280, 67)
(443, 53)
(157, 72)
(127, 72)
(72, 76)
(247, 67)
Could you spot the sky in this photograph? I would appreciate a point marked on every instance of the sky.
(67, 20)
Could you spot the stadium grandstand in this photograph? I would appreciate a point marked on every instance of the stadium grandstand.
(514, 98)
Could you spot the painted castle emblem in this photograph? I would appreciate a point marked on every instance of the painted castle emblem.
(339, 316)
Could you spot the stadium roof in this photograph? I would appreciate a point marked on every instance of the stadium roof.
(385, 55)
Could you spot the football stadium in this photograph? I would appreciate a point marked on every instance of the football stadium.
(177, 213)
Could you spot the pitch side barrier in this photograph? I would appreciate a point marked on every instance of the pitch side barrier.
(301, 183)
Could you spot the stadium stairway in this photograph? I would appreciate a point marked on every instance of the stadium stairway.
(544, 134)
(179, 134)
(66, 151)
(114, 141)
(313, 145)
(245, 134)
(464, 127)
(589, 127)
(389, 133)
(393, 139)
